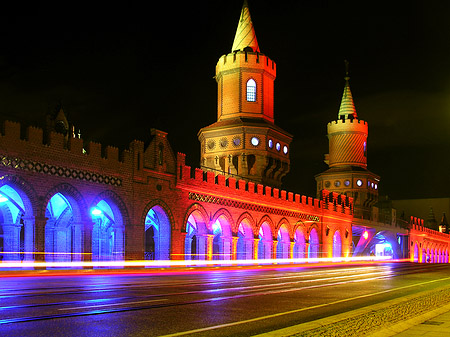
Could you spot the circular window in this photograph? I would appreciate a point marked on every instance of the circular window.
(278, 147)
(236, 141)
(347, 183)
(376, 186)
(327, 184)
(255, 141)
(211, 144)
(359, 182)
(223, 142)
(285, 149)
(270, 143)
(372, 185)
(337, 183)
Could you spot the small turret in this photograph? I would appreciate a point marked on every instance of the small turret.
(443, 226)
(347, 158)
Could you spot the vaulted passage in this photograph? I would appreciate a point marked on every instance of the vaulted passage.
(16, 232)
(157, 235)
(245, 242)
(284, 243)
(196, 237)
(265, 244)
(107, 232)
(62, 233)
(313, 249)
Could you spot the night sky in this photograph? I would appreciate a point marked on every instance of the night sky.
(121, 70)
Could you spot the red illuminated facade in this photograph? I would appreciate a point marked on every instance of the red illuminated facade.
(60, 202)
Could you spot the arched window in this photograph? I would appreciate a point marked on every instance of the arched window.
(251, 90)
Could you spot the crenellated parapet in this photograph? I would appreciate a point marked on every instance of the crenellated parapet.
(207, 186)
(243, 59)
(348, 125)
(417, 224)
(64, 158)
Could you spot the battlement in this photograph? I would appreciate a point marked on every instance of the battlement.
(199, 179)
(58, 146)
(348, 125)
(244, 59)
(417, 224)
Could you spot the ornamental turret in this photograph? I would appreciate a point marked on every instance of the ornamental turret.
(245, 142)
(347, 158)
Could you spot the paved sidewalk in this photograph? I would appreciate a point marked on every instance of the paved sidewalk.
(435, 323)
(422, 314)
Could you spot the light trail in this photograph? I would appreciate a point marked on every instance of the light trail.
(188, 263)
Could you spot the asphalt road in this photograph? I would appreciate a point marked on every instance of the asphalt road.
(202, 302)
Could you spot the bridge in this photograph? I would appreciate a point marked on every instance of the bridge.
(62, 203)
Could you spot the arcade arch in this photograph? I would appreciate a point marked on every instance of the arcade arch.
(16, 224)
(313, 249)
(284, 242)
(196, 234)
(157, 236)
(107, 231)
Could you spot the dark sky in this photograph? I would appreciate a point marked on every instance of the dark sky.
(120, 70)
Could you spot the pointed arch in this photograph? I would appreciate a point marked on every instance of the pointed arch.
(158, 223)
(79, 205)
(225, 214)
(266, 219)
(26, 192)
(196, 224)
(250, 220)
(108, 232)
(337, 244)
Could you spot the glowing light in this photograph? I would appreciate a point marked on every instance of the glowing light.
(3, 198)
(365, 235)
(191, 263)
(96, 211)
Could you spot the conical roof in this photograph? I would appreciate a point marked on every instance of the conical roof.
(245, 33)
(347, 107)
(444, 220)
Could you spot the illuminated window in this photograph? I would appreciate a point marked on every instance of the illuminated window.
(270, 143)
(255, 141)
(278, 146)
(359, 182)
(285, 149)
(251, 90)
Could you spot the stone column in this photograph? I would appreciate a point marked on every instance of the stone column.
(11, 242)
(28, 224)
(209, 246)
(274, 249)
(39, 238)
(306, 253)
(234, 247)
(291, 249)
(178, 244)
(77, 240)
(86, 241)
(255, 248)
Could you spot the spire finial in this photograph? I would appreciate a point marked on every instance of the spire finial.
(346, 70)
(245, 34)
(347, 108)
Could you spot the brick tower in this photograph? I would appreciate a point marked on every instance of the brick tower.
(244, 141)
(347, 158)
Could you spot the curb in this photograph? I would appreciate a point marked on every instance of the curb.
(388, 331)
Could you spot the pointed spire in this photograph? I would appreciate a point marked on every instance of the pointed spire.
(444, 220)
(245, 33)
(347, 107)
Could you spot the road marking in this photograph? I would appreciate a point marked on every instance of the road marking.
(110, 305)
(256, 319)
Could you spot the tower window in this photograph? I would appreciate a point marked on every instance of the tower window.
(251, 90)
